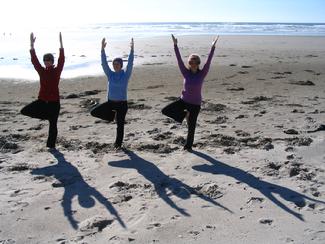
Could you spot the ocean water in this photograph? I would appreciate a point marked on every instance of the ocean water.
(82, 43)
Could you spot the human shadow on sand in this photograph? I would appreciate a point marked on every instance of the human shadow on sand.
(74, 185)
(269, 190)
(162, 182)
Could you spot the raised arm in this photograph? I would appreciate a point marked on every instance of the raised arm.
(61, 56)
(178, 56)
(206, 67)
(38, 67)
(130, 60)
(105, 66)
(214, 43)
(32, 40)
(61, 42)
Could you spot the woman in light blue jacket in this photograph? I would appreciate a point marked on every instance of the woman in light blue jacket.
(116, 106)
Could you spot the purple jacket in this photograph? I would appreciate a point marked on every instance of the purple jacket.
(192, 84)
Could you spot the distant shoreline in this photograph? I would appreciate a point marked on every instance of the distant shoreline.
(211, 22)
(86, 62)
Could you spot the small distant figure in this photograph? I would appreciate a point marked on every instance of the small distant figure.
(47, 106)
(189, 104)
(116, 106)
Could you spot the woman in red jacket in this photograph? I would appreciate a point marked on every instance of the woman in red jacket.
(47, 106)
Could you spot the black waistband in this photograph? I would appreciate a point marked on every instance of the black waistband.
(51, 102)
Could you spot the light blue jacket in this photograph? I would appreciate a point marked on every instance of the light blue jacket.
(117, 81)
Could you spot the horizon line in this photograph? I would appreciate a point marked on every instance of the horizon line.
(205, 22)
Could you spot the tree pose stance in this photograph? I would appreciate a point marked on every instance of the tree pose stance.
(189, 104)
(47, 106)
(116, 106)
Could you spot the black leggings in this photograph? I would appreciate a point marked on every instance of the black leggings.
(107, 110)
(40, 109)
(177, 110)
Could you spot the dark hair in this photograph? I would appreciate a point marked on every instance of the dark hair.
(48, 57)
(118, 60)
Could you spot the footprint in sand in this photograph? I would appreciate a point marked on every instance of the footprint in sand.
(216, 107)
(291, 132)
(154, 87)
(163, 136)
(303, 83)
(255, 200)
(309, 71)
(218, 120)
(88, 104)
(283, 73)
(82, 94)
(37, 127)
(311, 56)
(315, 235)
(243, 72)
(235, 89)
(256, 99)
(94, 225)
(154, 131)
(242, 133)
(137, 106)
(231, 76)
(179, 140)
(19, 167)
(272, 169)
(301, 111)
(154, 225)
(319, 128)
(210, 189)
(241, 116)
(9, 143)
(277, 77)
(155, 148)
(266, 221)
(175, 217)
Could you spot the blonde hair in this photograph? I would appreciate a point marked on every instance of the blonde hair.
(194, 57)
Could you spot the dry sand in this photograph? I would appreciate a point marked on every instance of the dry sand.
(256, 174)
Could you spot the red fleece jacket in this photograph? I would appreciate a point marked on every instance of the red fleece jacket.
(49, 77)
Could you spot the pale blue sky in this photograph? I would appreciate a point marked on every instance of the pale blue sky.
(22, 13)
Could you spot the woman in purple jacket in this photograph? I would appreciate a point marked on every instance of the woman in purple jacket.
(189, 104)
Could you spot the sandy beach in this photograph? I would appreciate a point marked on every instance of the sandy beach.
(256, 174)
